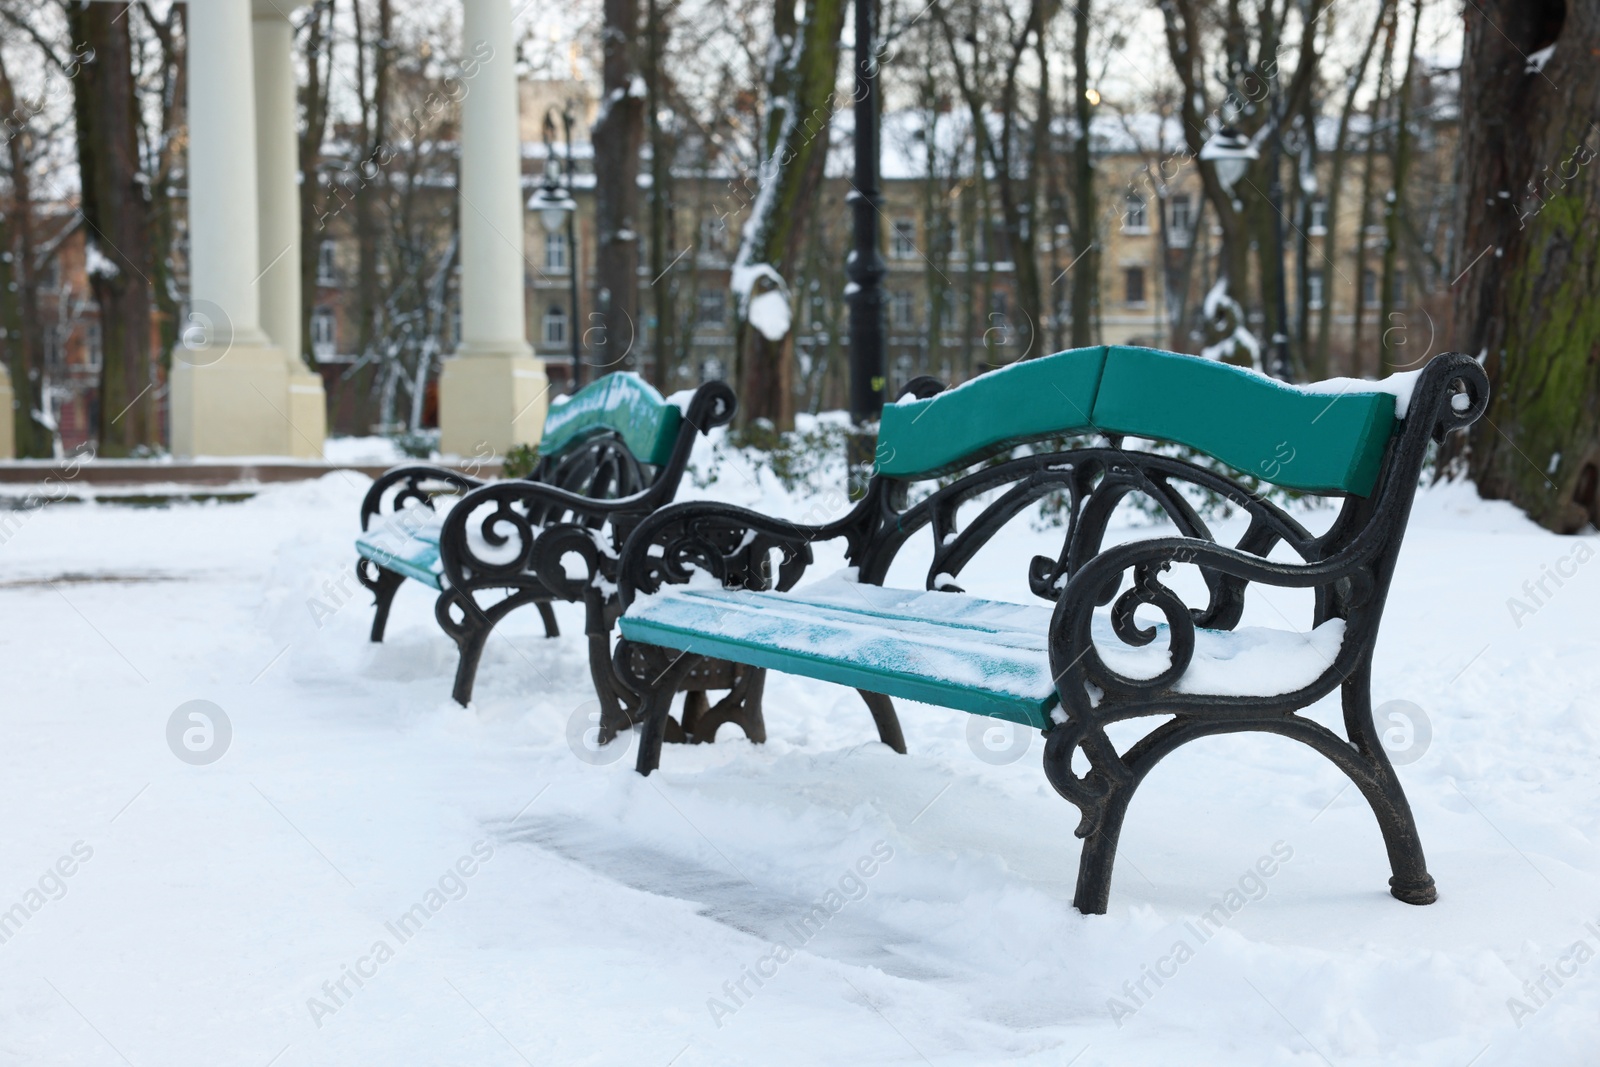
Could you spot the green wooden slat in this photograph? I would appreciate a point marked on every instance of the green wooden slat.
(1023, 402)
(689, 620)
(1315, 442)
(622, 402)
(418, 559)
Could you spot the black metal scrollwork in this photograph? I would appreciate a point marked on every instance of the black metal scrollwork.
(1347, 569)
(506, 544)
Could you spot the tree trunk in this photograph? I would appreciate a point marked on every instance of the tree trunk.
(661, 154)
(1527, 305)
(1019, 191)
(618, 134)
(794, 142)
(366, 186)
(314, 106)
(117, 218)
(1394, 207)
(24, 320)
(1223, 310)
(1368, 183)
(1085, 266)
(168, 157)
(1330, 240)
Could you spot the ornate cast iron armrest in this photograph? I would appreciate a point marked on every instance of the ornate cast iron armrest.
(530, 526)
(733, 544)
(1075, 660)
(1451, 394)
(401, 486)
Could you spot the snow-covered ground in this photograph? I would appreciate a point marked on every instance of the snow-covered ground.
(253, 911)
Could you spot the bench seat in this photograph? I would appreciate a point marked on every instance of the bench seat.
(986, 657)
(413, 552)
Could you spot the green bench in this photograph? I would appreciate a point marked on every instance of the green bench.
(610, 454)
(709, 580)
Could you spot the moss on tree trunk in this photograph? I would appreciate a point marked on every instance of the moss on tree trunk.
(1532, 202)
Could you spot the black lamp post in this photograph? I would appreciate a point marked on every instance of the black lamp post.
(865, 266)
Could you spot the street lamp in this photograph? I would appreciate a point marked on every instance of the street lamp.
(865, 266)
(551, 200)
(1231, 154)
(556, 209)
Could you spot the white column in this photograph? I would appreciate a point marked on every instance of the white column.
(493, 391)
(277, 175)
(229, 385)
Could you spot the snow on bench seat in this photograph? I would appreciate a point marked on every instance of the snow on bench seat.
(987, 657)
(411, 549)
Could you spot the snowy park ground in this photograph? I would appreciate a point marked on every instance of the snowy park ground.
(575, 913)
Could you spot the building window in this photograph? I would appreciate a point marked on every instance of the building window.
(50, 274)
(555, 325)
(1314, 289)
(557, 253)
(324, 334)
(1136, 216)
(947, 313)
(327, 272)
(1369, 287)
(711, 307)
(713, 235)
(904, 243)
(1182, 212)
(1319, 217)
(96, 349)
(950, 242)
(994, 243)
(1182, 221)
(902, 310)
(1397, 292)
(1133, 286)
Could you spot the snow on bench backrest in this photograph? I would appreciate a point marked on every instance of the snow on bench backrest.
(1310, 438)
(623, 403)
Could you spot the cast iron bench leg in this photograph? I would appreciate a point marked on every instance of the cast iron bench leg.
(547, 613)
(882, 709)
(655, 674)
(742, 707)
(470, 633)
(1411, 881)
(384, 584)
(1108, 789)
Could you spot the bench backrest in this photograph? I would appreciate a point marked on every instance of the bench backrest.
(1296, 437)
(621, 403)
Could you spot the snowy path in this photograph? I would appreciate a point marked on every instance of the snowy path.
(609, 919)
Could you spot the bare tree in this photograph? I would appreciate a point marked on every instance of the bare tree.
(618, 135)
(1318, 361)
(316, 50)
(117, 216)
(1085, 266)
(1394, 204)
(1208, 35)
(800, 101)
(23, 315)
(662, 155)
(165, 147)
